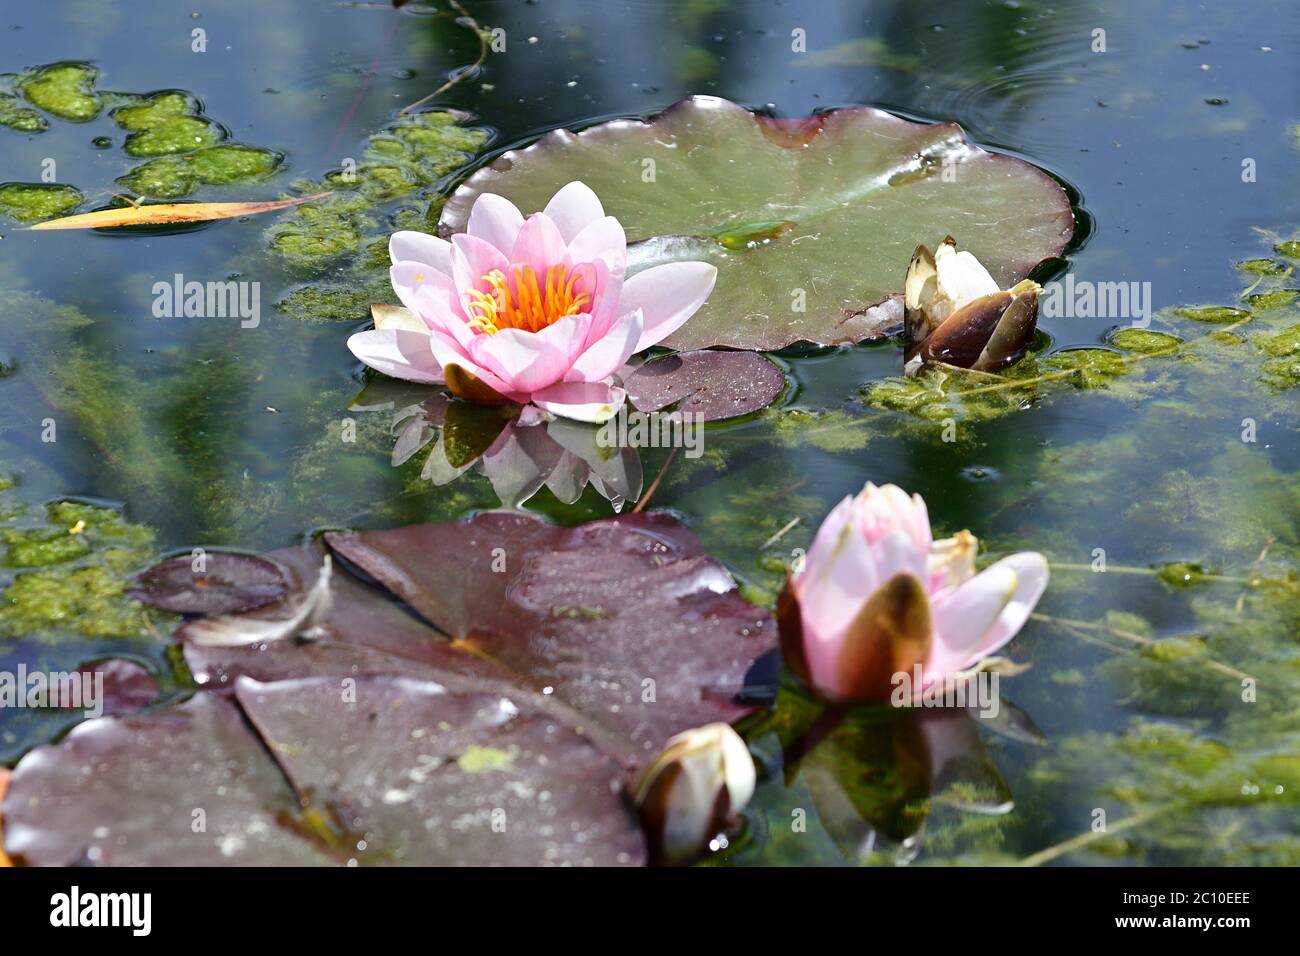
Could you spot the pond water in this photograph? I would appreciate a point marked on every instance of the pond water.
(1163, 691)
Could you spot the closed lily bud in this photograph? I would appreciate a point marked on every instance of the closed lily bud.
(878, 598)
(692, 792)
(955, 313)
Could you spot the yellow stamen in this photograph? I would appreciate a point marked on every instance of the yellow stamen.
(525, 303)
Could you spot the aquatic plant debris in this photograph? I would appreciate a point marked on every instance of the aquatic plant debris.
(837, 177)
(152, 214)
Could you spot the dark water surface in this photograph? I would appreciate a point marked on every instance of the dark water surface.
(216, 435)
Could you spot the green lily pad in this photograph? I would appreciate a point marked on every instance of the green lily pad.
(810, 222)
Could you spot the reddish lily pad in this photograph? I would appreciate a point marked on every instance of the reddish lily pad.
(227, 583)
(810, 222)
(432, 777)
(365, 632)
(185, 785)
(624, 620)
(382, 770)
(708, 384)
(624, 625)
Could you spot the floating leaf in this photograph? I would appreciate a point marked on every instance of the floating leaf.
(706, 384)
(626, 620)
(227, 583)
(432, 777)
(153, 771)
(365, 632)
(292, 773)
(154, 214)
(810, 222)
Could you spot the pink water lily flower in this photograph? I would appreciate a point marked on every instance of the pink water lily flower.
(534, 310)
(877, 596)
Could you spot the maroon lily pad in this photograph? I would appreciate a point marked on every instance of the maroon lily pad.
(227, 583)
(625, 620)
(379, 770)
(706, 383)
(184, 785)
(365, 633)
(810, 223)
(624, 625)
(127, 685)
(433, 777)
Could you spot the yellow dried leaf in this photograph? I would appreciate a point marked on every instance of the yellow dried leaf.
(161, 213)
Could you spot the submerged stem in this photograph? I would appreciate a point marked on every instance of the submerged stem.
(1069, 624)
(1083, 839)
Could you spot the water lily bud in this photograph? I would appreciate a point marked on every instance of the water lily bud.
(955, 313)
(878, 597)
(692, 792)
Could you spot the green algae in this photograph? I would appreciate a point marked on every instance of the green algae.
(1181, 574)
(1218, 314)
(1144, 341)
(83, 555)
(477, 759)
(16, 116)
(1289, 248)
(1273, 299)
(322, 303)
(412, 154)
(182, 148)
(175, 177)
(65, 90)
(29, 202)
(166, 123)
(1264, 267)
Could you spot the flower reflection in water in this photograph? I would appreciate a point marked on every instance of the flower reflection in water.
(518, 450)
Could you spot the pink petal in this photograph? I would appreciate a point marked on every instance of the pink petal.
(964, 616)
(408, 246)
(581, 401)
(471, 259)
(1032, 577)
(608, 353)
(404, 355)
(574, 208)
(602, 239)
(528, 361)
(606, 288)
(495, 219)
(539, 245)
(449, 352)
(667, 295)
(420, 287)
(839, 576)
